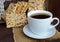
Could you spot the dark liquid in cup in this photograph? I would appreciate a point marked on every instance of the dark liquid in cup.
(40, 16)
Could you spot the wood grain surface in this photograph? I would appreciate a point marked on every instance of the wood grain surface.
(6, 35)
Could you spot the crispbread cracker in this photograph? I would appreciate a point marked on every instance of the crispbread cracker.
(9, 16)
(15, 15)
(21, 14)
(21, 7)
(10, 20)
(22, 20)
(9, 9)
(36, 5)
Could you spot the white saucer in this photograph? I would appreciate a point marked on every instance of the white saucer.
(40, 36)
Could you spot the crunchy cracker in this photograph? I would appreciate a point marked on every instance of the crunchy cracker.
(36, 4)
(15, 15)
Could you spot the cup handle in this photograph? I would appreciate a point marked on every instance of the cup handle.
(56, 23)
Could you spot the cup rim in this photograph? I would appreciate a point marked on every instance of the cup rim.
(39, 11)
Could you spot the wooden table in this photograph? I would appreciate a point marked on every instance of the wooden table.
(6, 35)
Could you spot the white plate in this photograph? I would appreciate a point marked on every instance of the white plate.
(50, 33)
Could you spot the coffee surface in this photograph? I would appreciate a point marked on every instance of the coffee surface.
(40, 16)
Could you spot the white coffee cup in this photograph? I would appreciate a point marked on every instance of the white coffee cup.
(38, 26)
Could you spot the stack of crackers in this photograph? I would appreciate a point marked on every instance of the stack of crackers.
(15, 15)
